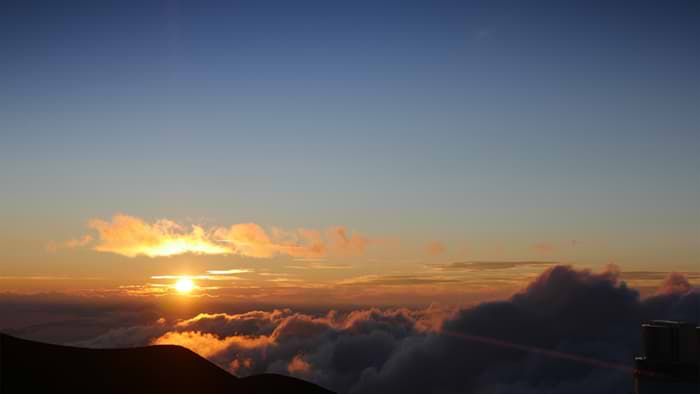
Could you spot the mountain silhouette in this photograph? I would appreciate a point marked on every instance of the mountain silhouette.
(34, 367)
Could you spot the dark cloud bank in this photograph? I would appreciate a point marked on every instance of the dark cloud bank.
(569, 331)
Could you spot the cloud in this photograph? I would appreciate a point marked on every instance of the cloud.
(239, 366)
(675, 283)
(544, 247)
(435, 248)
(352, 244)
(48, 277)
(396, 280)
(298, 366)
(229, 271)
(567, 331)
(489, 265)
(320, 266)
(53, 246)
(132, 236)
(209, 345)
(82, 241)
(655, 275)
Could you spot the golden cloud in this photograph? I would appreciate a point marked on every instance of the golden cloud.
(207, 344)
(132, 236)
(298, 366)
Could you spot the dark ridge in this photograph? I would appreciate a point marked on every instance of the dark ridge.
(28, 366)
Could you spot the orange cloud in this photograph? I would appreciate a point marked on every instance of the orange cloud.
(208, 345)
(298, 366)
(341, 241)
(675, 283)
(132, 236)
(237, 366)
(53, 246)
(82, 241)
(435, 248)
(249, 239)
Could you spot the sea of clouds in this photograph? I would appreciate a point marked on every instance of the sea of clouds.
(568, 331)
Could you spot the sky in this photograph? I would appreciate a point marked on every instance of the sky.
(374, 153)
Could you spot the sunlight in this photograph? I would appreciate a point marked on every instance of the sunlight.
(184, 285)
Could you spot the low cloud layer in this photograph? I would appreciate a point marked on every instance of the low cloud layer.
(132, 236)
(568, 331)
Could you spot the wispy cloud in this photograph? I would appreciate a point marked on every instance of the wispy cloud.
(132, 236)
(396, 280)
(49, 277)
(655, 275)
(78, 242)
(233, 271)
(489, 265)
(198, 277)
(311, 259)
(320, 266)
(53, 246)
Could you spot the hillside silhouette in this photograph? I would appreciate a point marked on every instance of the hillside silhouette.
(28, 366)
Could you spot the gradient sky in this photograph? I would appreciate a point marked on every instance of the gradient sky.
(437, 131)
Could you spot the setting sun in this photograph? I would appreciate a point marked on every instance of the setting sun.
(184, 285)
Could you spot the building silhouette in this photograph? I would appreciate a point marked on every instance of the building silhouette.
(670, 362)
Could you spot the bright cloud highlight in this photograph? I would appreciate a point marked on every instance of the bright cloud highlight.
(132, 236)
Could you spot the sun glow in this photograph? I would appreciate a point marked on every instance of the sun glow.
(184, 285)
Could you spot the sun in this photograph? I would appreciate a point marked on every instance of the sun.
(184, 285)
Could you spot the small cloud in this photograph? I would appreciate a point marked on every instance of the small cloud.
(51, 247)
(675, 283)
(435, 248)
(342, 241)
(239, 366)
(298, 366)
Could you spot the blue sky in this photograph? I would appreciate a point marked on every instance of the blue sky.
(464, 122)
